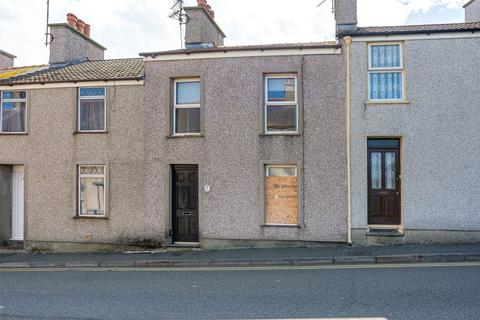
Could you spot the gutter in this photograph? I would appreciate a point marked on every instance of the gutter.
(230, 49)
(383, 33)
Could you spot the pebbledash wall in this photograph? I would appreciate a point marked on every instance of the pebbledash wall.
(440, 140)
(50, 153)
(233, 148)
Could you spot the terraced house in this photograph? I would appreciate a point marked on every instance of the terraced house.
(210, 145)
(413, 98)
(371, 138)
(71, 141)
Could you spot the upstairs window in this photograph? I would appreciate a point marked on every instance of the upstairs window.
(13, 111)
(186, 107)
(385, 72)
(281, 108)
(92, 110)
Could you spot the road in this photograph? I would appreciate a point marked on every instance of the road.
(368, 292)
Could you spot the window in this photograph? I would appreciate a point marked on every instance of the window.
(186, 107)
(281, 195)
(281, 109)
(385, 72)
(91, 110)
(13, 111)
(91, 190)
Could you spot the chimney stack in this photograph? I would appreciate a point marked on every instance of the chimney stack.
(201, 30)
(71, 20)
(71, 42)
(472, 11)
(345, 16)
(6, 59)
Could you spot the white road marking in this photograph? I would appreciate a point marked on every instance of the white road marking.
(260, 268)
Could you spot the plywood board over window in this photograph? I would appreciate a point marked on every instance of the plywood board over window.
(281, 195)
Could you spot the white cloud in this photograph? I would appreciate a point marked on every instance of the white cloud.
(127, 27)
(396, 12)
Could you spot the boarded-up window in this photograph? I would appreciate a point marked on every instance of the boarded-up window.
(281, 195)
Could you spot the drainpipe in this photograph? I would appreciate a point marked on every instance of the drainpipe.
(347, 40)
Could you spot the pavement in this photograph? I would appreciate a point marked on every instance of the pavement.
(245, 257)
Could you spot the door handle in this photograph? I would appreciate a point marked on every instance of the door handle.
(186, 213)
(398, 193)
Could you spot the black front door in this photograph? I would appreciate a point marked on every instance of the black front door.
(185, 203)
(384, 181)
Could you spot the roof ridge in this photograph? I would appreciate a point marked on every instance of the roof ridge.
(420, 25)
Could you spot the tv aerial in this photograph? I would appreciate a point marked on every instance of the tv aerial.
(178, 13)
(333, 4)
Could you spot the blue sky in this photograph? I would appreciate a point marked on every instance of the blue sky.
(127, 27)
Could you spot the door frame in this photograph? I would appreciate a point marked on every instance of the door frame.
(15, 174)
(169, 204)
(399, 226)
(25, 197)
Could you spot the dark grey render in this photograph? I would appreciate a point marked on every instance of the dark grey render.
(233, 146)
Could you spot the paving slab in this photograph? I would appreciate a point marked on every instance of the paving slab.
(340, 254)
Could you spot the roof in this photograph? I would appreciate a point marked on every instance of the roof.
(468, 2)
(418, 28)
(96, 70)
(5, 53)
(10, 72)
(263, 47)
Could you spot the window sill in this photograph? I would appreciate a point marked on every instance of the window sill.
(281, 226)
(292, 134)
(90, 132)
(176, 136)
(90, 217)
(13, 133)
(384, 102)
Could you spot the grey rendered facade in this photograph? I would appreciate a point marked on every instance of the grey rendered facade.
(52, 150)
(437, 124)
(233, 148)
(138, 149)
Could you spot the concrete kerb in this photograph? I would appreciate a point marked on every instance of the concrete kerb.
(380, 259)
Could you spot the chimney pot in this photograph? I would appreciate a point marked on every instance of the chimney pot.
(87, 30)
(71, 20)
(202, 3)
(80, 26)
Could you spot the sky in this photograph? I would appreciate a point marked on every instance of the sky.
(127, 27)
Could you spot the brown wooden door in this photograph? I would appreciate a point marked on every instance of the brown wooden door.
(185, 203)
(384, 181)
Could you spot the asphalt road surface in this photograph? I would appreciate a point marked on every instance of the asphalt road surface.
(371, 292)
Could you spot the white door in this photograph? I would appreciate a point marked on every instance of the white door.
(17, 204)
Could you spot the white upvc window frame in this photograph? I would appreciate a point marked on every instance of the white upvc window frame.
(13, 100)
(268, 103)
(104, 97)
(185, 106)
(400, 69)
(267, 166)
(104, 176)
(267, 174)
